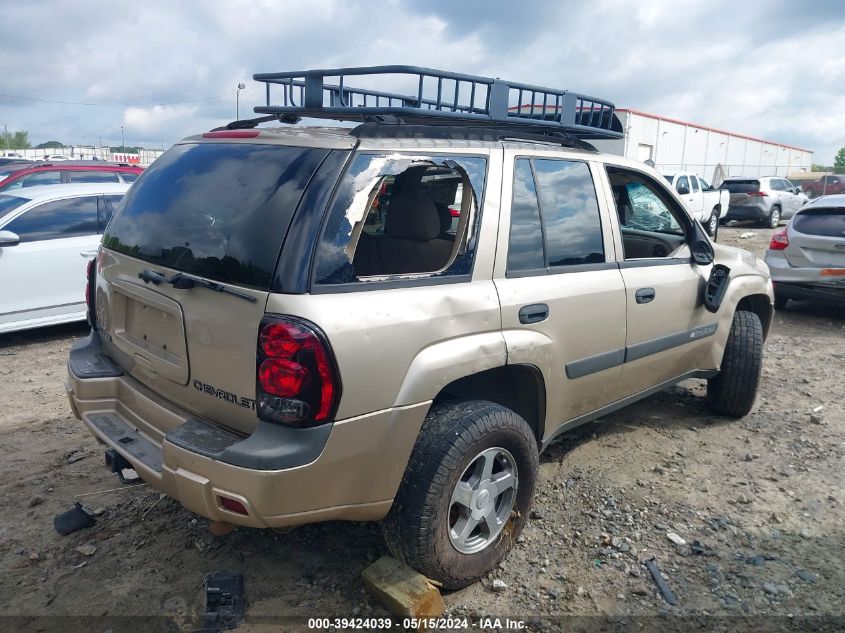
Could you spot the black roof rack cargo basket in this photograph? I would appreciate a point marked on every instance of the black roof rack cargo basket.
(437, 97)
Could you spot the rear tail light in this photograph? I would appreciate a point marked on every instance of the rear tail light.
(455, 213)
(297, 381)
(758, 194)
(780, 240)
(91, 292)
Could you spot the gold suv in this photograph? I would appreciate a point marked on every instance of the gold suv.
(390, 322)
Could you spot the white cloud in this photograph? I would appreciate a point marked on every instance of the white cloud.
(768, 69)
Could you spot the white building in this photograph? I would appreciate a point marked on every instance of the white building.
(713, 154)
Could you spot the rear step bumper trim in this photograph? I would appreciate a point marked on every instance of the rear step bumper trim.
(128, 439)
(269, 447)
(87, 359)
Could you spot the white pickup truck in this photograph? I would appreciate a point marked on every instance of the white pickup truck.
(703, 202)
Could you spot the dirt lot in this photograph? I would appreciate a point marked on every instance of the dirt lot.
(759, 503)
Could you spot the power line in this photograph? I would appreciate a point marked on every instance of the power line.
(118, 105)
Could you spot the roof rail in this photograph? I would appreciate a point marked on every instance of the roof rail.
(439, 97)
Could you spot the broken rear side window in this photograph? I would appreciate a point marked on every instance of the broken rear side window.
(402, 216)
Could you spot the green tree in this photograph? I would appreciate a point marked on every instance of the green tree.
(14, 140)
(50, 145)
(839, 161)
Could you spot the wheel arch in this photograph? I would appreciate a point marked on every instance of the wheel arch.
(520, 388)
(761, 305)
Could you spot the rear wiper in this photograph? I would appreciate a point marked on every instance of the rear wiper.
(184, 282)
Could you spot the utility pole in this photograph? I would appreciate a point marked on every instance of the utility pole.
(241, 86)
(122, 141)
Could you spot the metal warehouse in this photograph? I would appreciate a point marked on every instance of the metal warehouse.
(714, 154)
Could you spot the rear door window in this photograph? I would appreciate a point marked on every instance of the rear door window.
(526, 250)
(827, 222)
(36, 179)
(73, 217)
(694, 182)
(127, 176)
(217, 210)
(683, 183)
(570, 212)
(555, 219)
(777, 184)
(93, 176)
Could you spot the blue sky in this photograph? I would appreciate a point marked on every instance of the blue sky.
(774, 69)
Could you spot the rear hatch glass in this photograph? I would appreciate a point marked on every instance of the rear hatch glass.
(214, 210)
(741, 186)
(828, 222)
(817, 239)
(217, 212)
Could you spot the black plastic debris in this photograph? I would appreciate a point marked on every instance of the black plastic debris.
(224, 601)
(668, 596)
(75, 519)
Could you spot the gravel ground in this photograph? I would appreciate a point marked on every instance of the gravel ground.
(743, 518)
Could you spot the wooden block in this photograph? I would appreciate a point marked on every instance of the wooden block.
(403, 591)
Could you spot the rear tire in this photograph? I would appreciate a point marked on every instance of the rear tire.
(773, 221)
(713, 224)
(732, 391)
(423, 525)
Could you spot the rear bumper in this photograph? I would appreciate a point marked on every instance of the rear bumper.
(747, 212)
(349, 470)
(834, 295)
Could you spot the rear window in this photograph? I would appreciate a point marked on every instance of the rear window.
(741, 186)
(217, 210)
(827, 222)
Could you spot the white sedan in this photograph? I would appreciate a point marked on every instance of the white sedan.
(47, 236)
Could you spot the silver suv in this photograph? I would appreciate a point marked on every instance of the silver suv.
(391, 322)
(766, 200)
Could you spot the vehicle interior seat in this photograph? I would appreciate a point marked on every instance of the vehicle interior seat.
(411, 242)
(445, 221)
(623, 204)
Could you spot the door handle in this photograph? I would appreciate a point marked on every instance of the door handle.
(533, 313)
(88, 253)
(645, 295)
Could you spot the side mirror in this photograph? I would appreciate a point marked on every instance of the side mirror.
(7, 238)
(796, 190)
(684, 191)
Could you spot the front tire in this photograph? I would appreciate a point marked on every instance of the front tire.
(732, 391)
(466, 492)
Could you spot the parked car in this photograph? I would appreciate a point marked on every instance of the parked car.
(53, 158)
(703, 202)
(807, 256)
(824, 186)
(268, 356)
(13, 161)
(33, 174)
(47, 236)
(767, 200)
